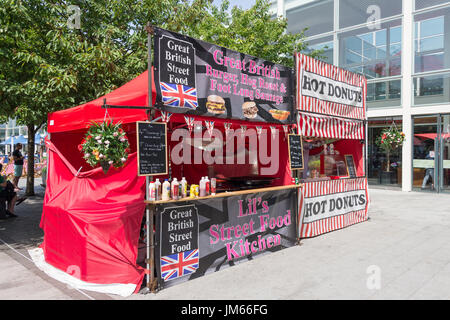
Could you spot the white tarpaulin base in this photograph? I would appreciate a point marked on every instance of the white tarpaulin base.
(37, 255)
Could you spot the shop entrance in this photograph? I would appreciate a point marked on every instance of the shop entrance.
(431, 153)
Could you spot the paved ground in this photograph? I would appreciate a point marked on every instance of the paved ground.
(402, 252)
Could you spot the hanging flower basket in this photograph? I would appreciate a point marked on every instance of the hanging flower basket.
(389, 140)
(105, 144)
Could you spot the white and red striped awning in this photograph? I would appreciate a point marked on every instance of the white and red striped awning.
(330, 127)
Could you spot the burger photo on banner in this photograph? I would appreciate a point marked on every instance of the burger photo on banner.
(199, 78)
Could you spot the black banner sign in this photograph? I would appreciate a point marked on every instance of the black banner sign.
(197, 237)
(295, 151)
(152, 148)
(200, 78)
(179, 230)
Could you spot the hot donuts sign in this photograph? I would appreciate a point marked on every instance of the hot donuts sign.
(199, 78)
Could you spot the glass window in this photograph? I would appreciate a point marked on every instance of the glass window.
(432, 41)
(306, 16)
(433, 89)
(376, 54)
(353, 12)
(324, 44)
(383, 94)
(421, 4)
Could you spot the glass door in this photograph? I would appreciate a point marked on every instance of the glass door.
(431, 153)
(424, 153)
(444, 153)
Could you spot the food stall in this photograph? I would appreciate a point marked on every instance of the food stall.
(332, 119)
(227, 117)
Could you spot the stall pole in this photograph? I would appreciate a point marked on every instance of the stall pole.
(151, 283)
(365, 148)
(297, 175)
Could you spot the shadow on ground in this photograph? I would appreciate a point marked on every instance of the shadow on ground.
(24, 232)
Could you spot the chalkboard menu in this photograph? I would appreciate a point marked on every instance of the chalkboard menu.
(295, 151)
(152, 148)
(350, 165)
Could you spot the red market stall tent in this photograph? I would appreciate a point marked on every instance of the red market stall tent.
(92, 220)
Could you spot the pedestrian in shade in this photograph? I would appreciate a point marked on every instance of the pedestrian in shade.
(7, 192)
(18, 164)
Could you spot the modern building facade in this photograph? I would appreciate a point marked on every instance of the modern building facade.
(402, 47)
(13, 129)
(10, 129)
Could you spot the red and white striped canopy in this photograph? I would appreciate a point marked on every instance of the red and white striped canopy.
(329, 84)
(329, 127)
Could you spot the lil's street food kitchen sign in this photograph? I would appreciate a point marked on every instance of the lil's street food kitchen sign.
(202, 236)
(199, 78)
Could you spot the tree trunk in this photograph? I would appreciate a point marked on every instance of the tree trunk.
(30, 166)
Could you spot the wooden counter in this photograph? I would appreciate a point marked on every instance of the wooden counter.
(226, 194)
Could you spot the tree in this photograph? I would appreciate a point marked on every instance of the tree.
(45, 65)
(254, 31)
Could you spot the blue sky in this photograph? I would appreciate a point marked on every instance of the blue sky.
(244, 4)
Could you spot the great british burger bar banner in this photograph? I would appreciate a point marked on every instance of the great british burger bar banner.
(201, 236)
(199, 78)
(331, 205)
(323, 88)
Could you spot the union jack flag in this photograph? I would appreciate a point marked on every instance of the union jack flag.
(177, 265)
(177, 95)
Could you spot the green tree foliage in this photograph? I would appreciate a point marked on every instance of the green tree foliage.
(45, 65)
(253, 31)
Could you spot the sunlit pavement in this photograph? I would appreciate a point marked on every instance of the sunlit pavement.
(402, 252)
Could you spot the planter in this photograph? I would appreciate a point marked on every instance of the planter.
(388, 177)
(105, 166)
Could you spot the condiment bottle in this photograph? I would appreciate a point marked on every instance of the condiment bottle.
(158, 189)
(175, 189)
(183, 187)
(166, 190)
(213, 186)
(152, 191)
(207, 186)
(202, 187)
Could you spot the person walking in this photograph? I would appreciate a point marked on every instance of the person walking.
(7, 192)
(429, 172)
(18, 165)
